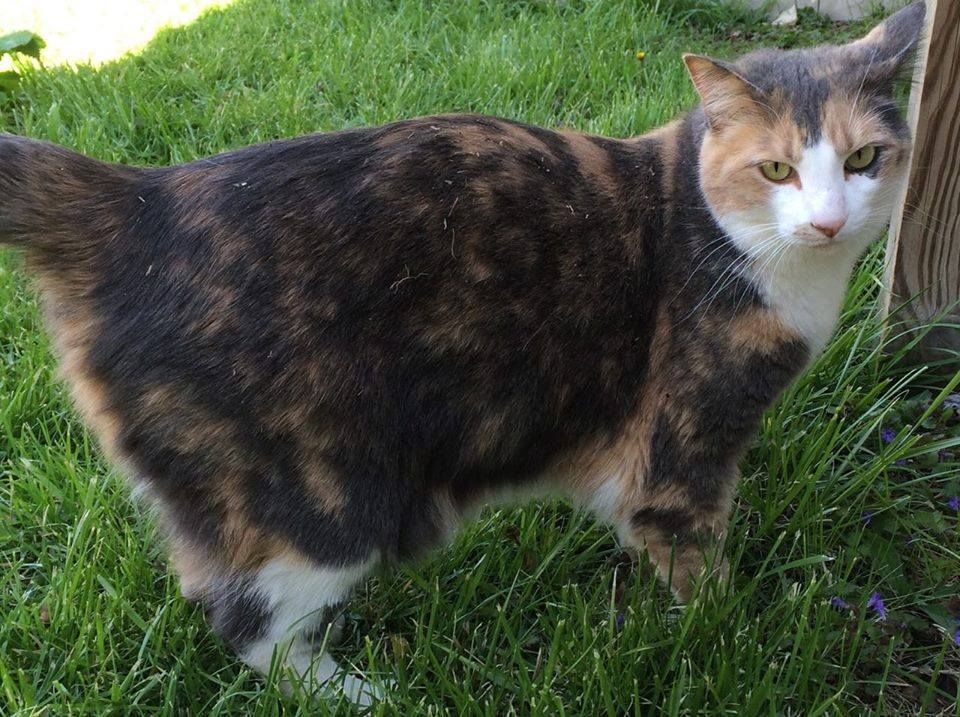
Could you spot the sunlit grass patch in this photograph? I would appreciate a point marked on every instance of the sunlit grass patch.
(97, 31)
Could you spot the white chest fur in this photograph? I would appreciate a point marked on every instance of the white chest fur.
(805, 287)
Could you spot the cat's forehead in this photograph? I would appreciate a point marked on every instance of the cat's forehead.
(811, 86)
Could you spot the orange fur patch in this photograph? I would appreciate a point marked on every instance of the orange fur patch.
(626, 458)
(592, 161)
(729, 173)
(848, 127)
(758, 330)
(72, 329)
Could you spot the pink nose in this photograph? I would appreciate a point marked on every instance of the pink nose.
(829, 228)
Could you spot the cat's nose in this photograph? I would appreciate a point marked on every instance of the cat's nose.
(829, 227)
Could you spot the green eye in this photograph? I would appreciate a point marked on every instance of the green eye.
(861, 159)
(776, 171)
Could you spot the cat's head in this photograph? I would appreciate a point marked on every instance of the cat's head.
(807, 147)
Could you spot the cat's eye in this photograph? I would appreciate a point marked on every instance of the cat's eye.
(776, 171)
(862, 159)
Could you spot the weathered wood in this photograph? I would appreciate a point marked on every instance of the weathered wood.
(923, 254)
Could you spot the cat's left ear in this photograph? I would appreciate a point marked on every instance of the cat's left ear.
(890, 47)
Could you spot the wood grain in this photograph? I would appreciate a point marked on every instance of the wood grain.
(923, 270)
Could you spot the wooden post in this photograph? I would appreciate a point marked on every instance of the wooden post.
(923, 253)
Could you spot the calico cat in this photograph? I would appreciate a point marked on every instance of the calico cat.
(318, 354)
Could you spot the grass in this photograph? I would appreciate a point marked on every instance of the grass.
(532, 610)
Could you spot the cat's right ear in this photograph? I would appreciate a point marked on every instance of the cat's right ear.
(888, 50)
(725, 94)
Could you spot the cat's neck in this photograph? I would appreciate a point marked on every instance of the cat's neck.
(678, 146)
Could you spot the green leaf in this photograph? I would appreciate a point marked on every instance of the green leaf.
(941, 616)
(23, 41)
(9, 80)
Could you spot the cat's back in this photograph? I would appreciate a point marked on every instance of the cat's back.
(452, 236)
(411, 261)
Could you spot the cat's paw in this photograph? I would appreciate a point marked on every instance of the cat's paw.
(326, 681)
(365, 693)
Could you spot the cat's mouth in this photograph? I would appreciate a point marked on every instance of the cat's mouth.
(819, 242)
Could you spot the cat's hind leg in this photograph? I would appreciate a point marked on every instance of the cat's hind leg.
(288, 609)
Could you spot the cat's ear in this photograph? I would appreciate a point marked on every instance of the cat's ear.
(725, 94)
(887, 50)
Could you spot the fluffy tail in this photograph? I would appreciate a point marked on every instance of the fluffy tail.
(56, 203)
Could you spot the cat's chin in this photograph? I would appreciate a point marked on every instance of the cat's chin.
(852, 242)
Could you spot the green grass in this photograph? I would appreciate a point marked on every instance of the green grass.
(520, 615)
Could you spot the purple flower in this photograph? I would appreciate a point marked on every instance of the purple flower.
(875, 603)
(887, 435)
(954, 503)
(618, 623)
(866, 517)
(902, 462)
(956, 637)
(839, 603)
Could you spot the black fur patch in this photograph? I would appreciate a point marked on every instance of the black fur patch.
(239, 615)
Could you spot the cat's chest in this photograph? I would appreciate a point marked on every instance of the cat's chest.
(806, 292)
(813, 315)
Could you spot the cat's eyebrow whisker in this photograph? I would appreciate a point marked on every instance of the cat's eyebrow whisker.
(863, 81)
(778, 115)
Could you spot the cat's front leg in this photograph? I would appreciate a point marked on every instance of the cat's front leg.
(680, 529)
(685, 543)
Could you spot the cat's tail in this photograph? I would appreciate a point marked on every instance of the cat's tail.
(55, 203)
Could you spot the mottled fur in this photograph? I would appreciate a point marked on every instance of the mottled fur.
(320, 352)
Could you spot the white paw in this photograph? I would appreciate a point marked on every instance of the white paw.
(324, 680)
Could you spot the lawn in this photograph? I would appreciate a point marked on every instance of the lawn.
(846, 493)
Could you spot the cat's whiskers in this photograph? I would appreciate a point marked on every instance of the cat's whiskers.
(774, 259)
(780, 249)
(721, 242)
(774, 243)
(711, 294)
(731, 273)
